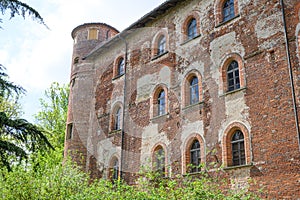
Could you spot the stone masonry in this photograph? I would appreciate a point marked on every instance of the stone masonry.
(262, 37)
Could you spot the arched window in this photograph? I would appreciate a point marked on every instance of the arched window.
(195, 156)
(159, 160)
(233, 76)
(192, 29)
(161, 102)
(115, 169)
(161, 45)
(194, 90)
(117, 121)
(228, 10)
(121, 66)
(238, 149)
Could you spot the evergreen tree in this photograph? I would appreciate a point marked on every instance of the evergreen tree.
(16, 7)
(18, 137)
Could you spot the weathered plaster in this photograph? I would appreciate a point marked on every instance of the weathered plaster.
(147, 83)
(150, 138)
(220, 47)
(265, 26)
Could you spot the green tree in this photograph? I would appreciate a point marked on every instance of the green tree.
(16, 7)
(55, 181)
(53, 114)
(18, 137)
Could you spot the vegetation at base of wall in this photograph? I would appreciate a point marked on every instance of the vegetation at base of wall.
(48, 178)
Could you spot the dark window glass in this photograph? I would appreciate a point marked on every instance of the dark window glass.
(195, 157)
(121, 66)
(160, 160)
(115, 170)
(76, 60)
(117, 125)
(194, 91)
(192, 29)
(69, 131)
(238, 149)
(233, 78)
(161, 45)
(161, 101)
(228, 10)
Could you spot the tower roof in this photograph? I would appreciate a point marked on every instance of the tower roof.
(152, 15)
(91, 24)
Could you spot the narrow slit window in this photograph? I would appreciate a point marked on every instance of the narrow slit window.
(117, 125)
(121, 67)
(161, 101)
(70, 131)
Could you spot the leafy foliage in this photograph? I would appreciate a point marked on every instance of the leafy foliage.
(52, 180)
(18, 137)
(16, 7)
(53, 114)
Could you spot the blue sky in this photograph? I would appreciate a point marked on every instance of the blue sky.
(36, 56)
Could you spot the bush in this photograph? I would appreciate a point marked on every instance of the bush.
(47, 178)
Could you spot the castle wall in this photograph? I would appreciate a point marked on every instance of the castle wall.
(262, 108)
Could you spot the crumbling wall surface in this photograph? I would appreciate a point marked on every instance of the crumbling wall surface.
(262, 107)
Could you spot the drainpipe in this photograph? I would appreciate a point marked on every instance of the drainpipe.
(290, 71)
(123, 112)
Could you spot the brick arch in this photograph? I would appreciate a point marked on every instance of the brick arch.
(113, 158)
(185, 98)
(226, 143)
(219, 10)
(186, 150)
(156, 147)
(155, 40)
(193, 15)
(153, 99)
(114, 109)
(223, 71)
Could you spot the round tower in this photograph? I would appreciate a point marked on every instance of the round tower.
(86, 37)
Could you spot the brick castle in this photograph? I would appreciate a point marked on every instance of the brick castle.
(192, 83)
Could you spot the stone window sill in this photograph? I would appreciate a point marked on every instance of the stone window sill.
(188, 40)
(193, 105)
(114, 132)
(233, 91)
(227, 21)
(160, 116)
(194, 173)
(118, 76)
(160, 55)
(237, 167)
